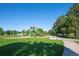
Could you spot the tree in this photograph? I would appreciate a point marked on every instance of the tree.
(68, 23)
(65, 25)
(51, 32)
(15, 32)
(59, 26)
(33, 31)
(11, 32)
(1, 31)
(27, 32)
(39, 32)
(74, 12)
(24, 32)
(73, 26)
(46, 33)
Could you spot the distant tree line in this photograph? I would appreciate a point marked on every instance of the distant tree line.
(35, 32)
(68, 24)
(8, 32)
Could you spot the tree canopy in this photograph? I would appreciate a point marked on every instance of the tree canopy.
(1, 31)
(68, 23)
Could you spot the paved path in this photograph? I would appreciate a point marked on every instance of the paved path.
(71, 48)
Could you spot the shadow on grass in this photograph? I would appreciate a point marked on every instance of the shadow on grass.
(69, 52)
(35, 48)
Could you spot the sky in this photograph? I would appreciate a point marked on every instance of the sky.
(19, 16)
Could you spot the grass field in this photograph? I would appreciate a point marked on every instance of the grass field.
(31, 47)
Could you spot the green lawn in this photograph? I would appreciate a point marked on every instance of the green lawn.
(31, 46)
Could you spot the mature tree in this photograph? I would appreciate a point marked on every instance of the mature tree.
(46, 33)
(74, 13)
(1, 31)
(59, 26)
(51, 32)
(68, 23)
(11, 32)
(65, 25)
(35, 32)
(39, 32)
(15, 32)
(23, 32)
(27, 32)
(72, 25)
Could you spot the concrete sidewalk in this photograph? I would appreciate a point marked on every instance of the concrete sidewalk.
(71, 48)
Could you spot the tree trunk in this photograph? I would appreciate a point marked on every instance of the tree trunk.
(75, 34)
